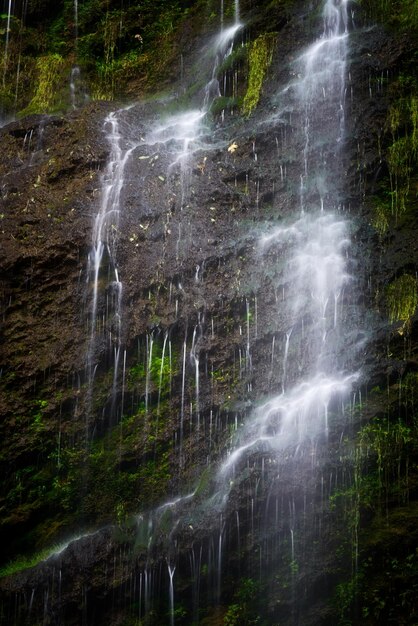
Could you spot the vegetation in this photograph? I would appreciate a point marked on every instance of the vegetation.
(397, 198)
(402, 300)
(259, 59)
(118, 48)
(25, 562)
(46, 98)
(403, 152)
(242, 612)
(380, 510)
(395, 14)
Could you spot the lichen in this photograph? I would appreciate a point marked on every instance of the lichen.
(260, 57)
(402, 300)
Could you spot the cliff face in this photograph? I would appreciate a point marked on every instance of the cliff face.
(121, 395)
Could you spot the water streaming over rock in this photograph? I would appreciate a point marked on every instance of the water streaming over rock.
(184, 133)
(316, 244)
(104, 284)
(288, 430)
(258, 488)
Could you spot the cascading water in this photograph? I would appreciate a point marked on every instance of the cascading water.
(105, 315)
(289, 429)
(316, 246)
(185, 133)
(76, 23)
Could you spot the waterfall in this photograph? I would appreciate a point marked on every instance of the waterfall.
(102, 260)
(78, 93)
(316, 246)
(236, 11)
(241, 503)
(171, 572)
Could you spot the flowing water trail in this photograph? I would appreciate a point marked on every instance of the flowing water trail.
(184, 133)
(171, 572)
(103, 279)
(76, 24)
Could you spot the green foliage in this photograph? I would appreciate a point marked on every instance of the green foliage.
(243, 612)
(345, 595)
(383, 471)
(403, 151)
(116, 45)
(40, 405)
(402, 300)
(155, 372)
(396, 198)
(6, 99)
(399, 162)
(388, 443)
(260, 57)
(116, 476)
(380, 469)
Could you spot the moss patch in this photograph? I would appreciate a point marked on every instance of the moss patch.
(402, 299)
(50, 70)
(260, 57)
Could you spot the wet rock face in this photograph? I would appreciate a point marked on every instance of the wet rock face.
(49, 184)
(196, 284)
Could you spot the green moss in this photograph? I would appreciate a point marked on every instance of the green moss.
(49, 81)
(413, 108)
(260, 57)
(380, 219)
(388, 443)
(22, 563)
(6, 99)
(157, 372)
(396, 198)
(239, 55)
(223, 103)
(119, 480)
(401, 155)
(402, 299)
